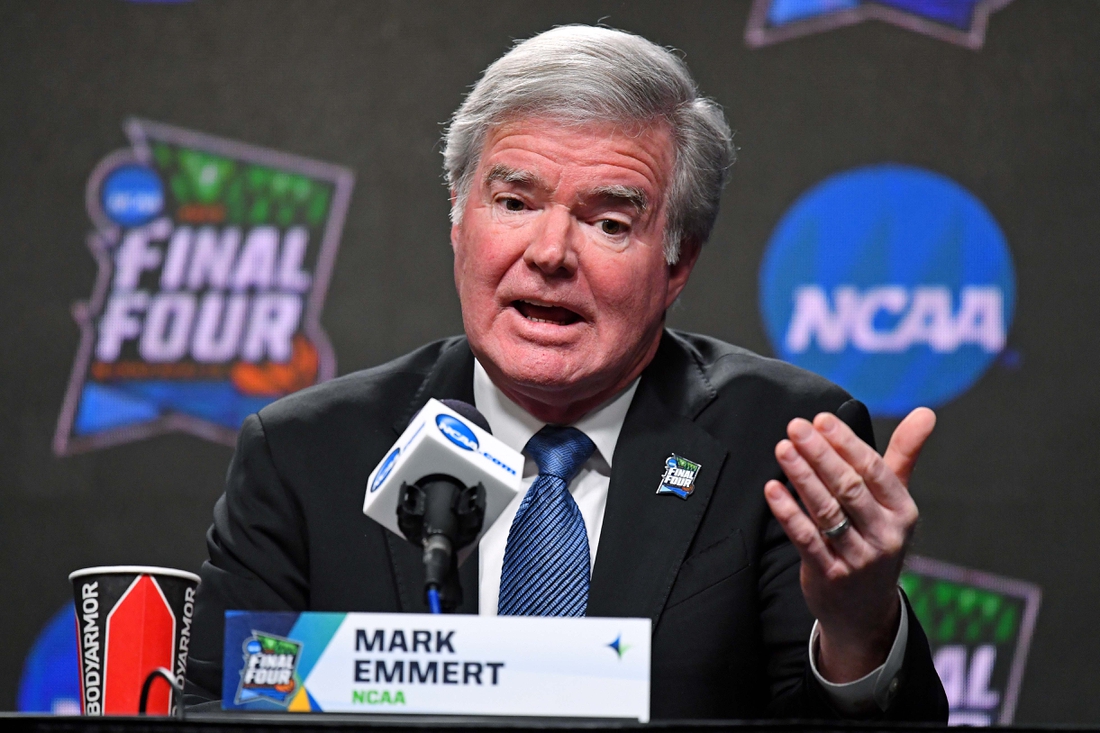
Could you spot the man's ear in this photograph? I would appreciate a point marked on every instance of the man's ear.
(680, 271)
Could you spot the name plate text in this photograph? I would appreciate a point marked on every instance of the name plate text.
(437, 664)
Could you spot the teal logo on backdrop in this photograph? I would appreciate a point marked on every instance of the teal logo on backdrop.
(956, 21)
(894, 282)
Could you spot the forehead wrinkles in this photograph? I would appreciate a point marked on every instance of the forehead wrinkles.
(514, 150)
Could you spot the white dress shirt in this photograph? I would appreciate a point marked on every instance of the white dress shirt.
(514, 426)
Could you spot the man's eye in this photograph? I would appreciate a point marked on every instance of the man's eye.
(512, 204)
(612, 227)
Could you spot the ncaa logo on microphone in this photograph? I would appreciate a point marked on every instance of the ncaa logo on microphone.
(384, 471)
(457, 432)
(892, 281)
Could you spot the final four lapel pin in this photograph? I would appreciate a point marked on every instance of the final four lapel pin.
(679, 478)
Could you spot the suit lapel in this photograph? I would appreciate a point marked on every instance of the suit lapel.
(452, 377)
(646, 535)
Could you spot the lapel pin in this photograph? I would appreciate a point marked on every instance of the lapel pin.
(679, 478)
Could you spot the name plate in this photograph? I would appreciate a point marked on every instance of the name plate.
(437, 664)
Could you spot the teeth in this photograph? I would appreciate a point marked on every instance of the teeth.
(535, 319)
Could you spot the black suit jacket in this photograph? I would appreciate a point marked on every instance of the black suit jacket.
(714, 572)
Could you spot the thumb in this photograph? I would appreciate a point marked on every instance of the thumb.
(907, 441)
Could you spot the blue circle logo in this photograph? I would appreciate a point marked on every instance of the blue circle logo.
(132, 195)
(51, 673)
(384, 471)
(894, 282)
(253, 647)
(457, 432)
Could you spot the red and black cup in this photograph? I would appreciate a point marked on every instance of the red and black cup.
(131, 620)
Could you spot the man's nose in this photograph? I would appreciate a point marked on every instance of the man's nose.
(553, 249)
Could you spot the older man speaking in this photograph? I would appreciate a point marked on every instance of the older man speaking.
(585, 173)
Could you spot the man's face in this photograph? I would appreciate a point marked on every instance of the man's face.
(559, 262)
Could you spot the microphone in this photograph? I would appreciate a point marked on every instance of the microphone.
(445, 479)
(469, 412)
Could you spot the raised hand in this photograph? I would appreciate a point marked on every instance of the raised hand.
(853, 535)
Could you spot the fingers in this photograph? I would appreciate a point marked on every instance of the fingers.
(819, 474)
(907, 441)
(803, 533)
(822, 506)
(853, 452)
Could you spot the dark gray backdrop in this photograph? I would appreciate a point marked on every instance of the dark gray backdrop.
(1009, 481)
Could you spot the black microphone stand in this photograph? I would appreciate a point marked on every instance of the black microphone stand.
(442, 515)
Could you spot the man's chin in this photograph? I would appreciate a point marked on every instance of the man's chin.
(534, 368)
(557, 384)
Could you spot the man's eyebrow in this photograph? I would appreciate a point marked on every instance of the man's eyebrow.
(505, 174)
(634, 197)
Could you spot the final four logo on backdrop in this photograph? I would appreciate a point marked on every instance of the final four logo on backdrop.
(214, 257)
(892, 281)
(962, 22)
(979, 628)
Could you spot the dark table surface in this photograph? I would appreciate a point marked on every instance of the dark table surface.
(330, 723)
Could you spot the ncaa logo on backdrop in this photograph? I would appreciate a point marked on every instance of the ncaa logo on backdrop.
(892, 281)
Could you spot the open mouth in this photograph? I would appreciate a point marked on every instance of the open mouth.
(555, 314)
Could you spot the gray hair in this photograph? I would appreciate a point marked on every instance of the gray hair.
(579, 74)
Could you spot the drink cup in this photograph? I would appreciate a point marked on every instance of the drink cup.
(130, 621)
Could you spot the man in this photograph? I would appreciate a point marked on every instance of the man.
(585, 175)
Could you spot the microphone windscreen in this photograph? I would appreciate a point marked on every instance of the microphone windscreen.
(469, 412)
(442, 440)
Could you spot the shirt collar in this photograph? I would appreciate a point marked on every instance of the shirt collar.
(514, 426)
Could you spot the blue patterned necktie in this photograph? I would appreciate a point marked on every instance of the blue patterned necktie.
(546, 561)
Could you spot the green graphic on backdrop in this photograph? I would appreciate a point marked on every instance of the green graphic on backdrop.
(979, 627)
(953, 613)
(250, 193)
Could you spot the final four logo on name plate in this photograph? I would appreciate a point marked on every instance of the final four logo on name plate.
(679, 478)
(269, 668)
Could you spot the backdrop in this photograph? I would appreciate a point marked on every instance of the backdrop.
(913, 214)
